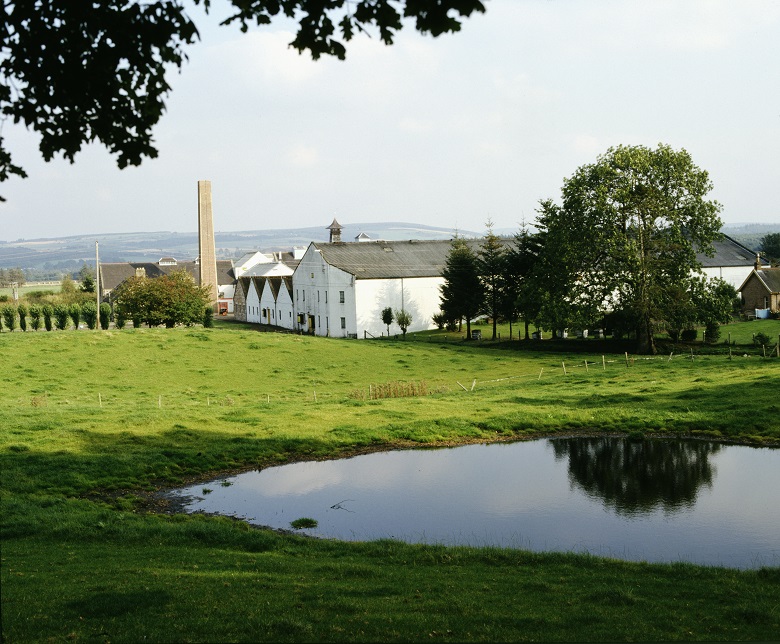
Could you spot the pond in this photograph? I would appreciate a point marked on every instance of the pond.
(639, 500)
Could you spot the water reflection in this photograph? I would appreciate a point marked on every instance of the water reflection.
(638, 476)
(637, 500)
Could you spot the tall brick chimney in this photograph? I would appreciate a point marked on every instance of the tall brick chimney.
(207, 271)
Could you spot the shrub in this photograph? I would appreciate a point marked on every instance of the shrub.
(89, 311)
(119, 319)
(61, 316)
(75, 314)
(208, 317)
(9, 316)
(48, 313)
(105, 315)
(712, 333)
(22, 311)
(35, 316)
(439, 320)
(689, 335)
(761, 339)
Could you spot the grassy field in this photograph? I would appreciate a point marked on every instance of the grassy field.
(54, 287)
(93, 423)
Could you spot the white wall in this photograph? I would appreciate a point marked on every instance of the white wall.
(734, 275)
(252, 304)
(419, 296)
(285, 311)
(316, 292)
(267, 305)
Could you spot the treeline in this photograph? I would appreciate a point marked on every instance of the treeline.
(168, 300)
(618, 253)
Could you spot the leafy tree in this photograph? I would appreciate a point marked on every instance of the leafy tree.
(48, 314)
(68, 293)
(105, 315)
(770, 246)
(22, 311)
(35, 316)
(61, 316)
(491, 266)
(403, 319)
(75, 72)
(461, 293)
(9, 316)
(520, 296)
(11, 275)
(387, 318)
(625, 236)
(170, 299)
(87, 278)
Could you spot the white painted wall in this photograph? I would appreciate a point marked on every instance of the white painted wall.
(252, 304)
(734, 275)
(419, 296)
(267, 304)
(285, 311)
(316, 294)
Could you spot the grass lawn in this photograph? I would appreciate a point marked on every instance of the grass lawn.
(93, 422)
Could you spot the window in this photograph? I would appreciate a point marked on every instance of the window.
(326, 297)
(304, 296)
(318, 296)
(343, 323)
(341, 297)
(296, 294)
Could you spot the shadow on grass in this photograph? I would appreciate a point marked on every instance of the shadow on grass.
(116, 604)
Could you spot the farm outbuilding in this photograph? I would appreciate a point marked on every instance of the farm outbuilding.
(761, 291)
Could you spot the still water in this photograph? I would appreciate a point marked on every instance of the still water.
(658, 501)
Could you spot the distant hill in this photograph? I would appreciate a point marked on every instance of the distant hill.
(67, 253)
(64, 254)
(750, 235)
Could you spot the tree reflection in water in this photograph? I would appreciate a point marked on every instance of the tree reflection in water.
(638, 476)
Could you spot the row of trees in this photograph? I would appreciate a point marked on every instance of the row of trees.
(170, 300)
(50, 316)
(618, 252)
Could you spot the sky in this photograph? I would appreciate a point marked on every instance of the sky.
(453, 131)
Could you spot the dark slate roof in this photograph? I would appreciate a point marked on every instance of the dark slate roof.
(391, 259)
(113, 274)
(771, 278)
(728, 252)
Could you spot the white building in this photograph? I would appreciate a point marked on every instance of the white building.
(340, 289)
(732, 262)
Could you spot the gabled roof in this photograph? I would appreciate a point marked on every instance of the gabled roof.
(114, 273)
(277, 269)
(391, 259)
(769, 277)
(728, 252)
